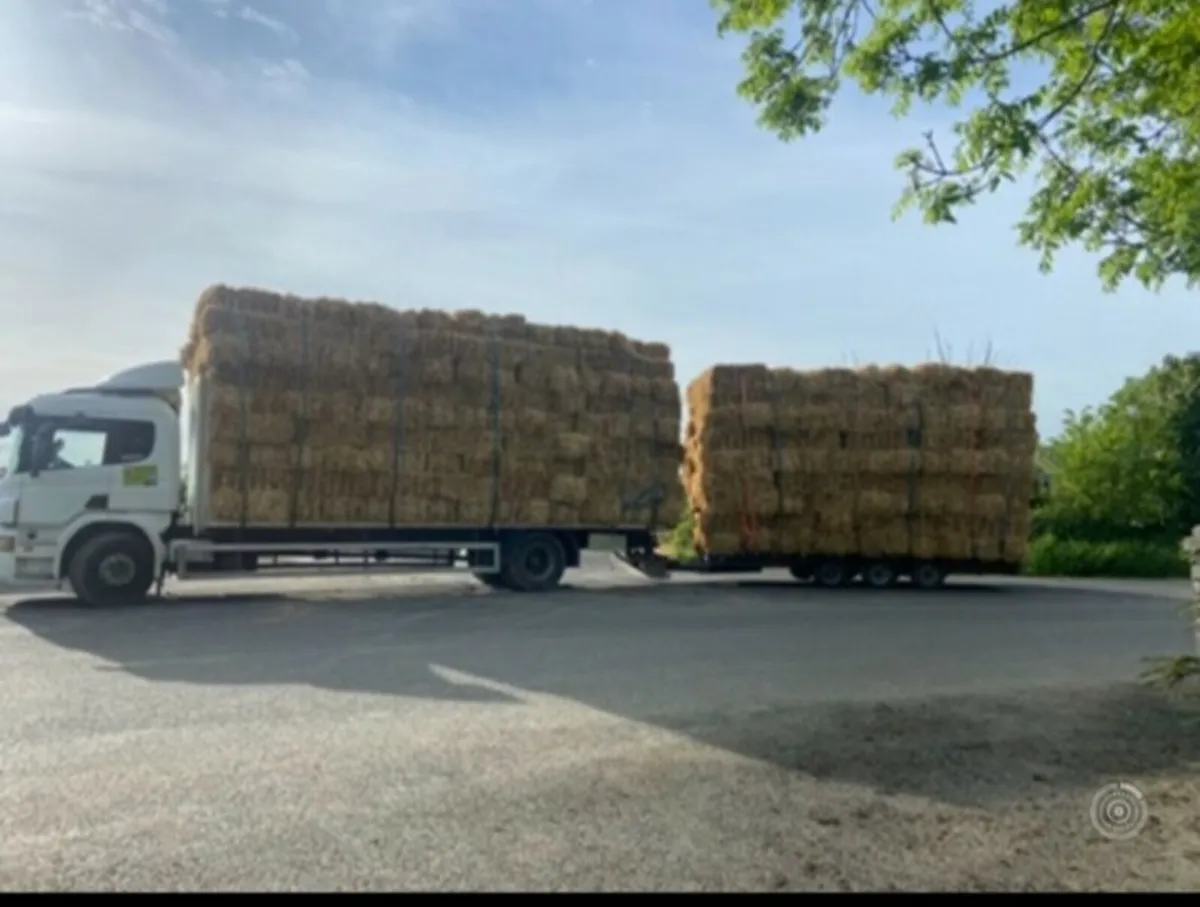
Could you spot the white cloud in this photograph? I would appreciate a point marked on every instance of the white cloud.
(250, 14)
(143, 17)
(141, 159)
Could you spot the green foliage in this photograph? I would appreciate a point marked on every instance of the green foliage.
(1111, 128)
(1127, 559)
(1171, 672)
(680, 544)
(1045, 465)
(1130, 469)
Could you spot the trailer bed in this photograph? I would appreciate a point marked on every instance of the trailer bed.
(828, 570)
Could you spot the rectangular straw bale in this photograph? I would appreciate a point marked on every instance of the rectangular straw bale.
(934, 461)
(326, 412)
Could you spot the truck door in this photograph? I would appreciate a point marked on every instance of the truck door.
(87, 464)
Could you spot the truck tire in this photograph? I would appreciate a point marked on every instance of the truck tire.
(928, 575)
(114, 568)
(533, 563)
(832, 574)
(879, 575)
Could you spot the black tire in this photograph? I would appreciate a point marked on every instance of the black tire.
(832, 574)
(802, 574)
(879, 575)
(492, 580)
(114, 568)
(534, 563)
(928, 575)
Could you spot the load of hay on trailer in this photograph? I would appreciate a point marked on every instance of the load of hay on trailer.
(324, 412)
(932, 462)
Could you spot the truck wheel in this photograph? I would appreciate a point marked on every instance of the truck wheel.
(879, 575)
(832, 574)
(113, 568)
(928, 575)
(802, 574)
(534, 563)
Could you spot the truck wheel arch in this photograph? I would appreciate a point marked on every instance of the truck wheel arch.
(573, 543)
(89, 531)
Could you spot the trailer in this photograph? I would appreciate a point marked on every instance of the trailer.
(94, 493)
(828, 571)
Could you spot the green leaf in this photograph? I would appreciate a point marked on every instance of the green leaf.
(1112, 131)
(1131, 466)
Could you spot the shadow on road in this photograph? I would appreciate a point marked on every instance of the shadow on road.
(971, 750)
(53, 606)
(970, 592)
(608, 648)
(247, 639)
(901, 590)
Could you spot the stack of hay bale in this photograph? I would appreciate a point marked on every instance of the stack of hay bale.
(932, 462)
(325, 413)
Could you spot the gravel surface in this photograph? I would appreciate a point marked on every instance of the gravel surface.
(423, 733)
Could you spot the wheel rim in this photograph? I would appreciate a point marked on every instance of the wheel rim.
(880, 575)
(117, 570)
(538, 563)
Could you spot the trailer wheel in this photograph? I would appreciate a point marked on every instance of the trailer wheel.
(802, 574)
(111, 569)
(534, 563)
(928, 575)
(832, 574)
(879, 575)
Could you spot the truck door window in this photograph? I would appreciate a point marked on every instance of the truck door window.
(96, 442)
(76, 448)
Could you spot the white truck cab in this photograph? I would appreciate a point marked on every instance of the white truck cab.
(95, 467)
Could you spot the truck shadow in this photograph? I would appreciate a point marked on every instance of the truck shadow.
(245, 640)
(616, 651)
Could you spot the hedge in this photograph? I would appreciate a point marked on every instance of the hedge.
(1128, 559)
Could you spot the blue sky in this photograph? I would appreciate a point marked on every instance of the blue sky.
(579, 161)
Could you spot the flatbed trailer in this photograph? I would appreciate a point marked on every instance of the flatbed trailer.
(826, 570)
(525, 559)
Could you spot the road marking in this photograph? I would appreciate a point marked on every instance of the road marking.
(463, 679)
(634, 728)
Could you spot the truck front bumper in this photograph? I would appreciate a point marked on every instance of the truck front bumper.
(28, 567)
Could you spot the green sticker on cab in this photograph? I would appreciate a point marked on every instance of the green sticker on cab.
(139, 476)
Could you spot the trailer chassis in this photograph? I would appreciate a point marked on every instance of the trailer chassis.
(824, 570)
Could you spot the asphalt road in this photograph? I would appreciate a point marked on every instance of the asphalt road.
(424, 733)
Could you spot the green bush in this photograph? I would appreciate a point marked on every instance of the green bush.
(679, 544)
(1128, 559)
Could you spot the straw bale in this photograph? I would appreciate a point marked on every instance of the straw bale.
(325, 412)
(934, 461)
